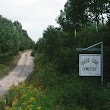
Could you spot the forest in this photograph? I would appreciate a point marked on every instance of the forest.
(12, 39)
(82, 23)
(55, 83)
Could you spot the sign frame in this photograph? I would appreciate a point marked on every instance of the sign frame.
(94, 48)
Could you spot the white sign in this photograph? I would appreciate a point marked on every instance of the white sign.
(89, 65)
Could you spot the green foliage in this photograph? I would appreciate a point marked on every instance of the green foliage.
(3, 70)
(12, 39)
(79, 13)
(58, 86)
(2, 104)
(81, 25)
(60, 47)
(68, 91)
(46, 89)
(2, 67)
(33, 53)
(22, 98)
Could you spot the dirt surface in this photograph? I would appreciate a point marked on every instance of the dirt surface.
(19, 74)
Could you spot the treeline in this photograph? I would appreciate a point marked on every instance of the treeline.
(82, 23)
(12, 39)
(55, 78)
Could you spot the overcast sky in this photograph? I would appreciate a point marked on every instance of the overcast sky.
(34, 15)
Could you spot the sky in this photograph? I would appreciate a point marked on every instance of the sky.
(34, 15)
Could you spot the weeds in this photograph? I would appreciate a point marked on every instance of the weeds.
(46, 89)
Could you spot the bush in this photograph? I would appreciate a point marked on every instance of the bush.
(33, 53)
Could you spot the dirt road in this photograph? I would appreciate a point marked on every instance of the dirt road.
(19, 74)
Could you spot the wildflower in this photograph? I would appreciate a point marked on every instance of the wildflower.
(40, 87)
(24, 103)
(13, 103)
(23, 84)
(30, 107)
(23, 96)
(8, 108)
(21, 109)
(32, 99)
(39, 108)
(30, 87)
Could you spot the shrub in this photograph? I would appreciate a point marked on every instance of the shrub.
(33, 53)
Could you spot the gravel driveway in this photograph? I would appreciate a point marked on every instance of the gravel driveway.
(19, 74)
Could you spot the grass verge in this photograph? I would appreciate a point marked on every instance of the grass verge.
(8, 66)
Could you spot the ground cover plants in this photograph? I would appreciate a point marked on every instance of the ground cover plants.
(55, 83)
(46, 89)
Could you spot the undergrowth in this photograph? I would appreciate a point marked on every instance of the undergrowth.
(8, 66)
(47, 89)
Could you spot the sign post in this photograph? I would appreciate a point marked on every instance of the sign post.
(102, 63)
(91, 64)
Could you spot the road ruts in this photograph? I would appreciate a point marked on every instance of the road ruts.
(19, 74)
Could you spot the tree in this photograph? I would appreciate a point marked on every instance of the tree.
(73, 16)
(12, 39)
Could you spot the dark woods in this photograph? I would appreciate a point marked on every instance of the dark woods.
(82, 23)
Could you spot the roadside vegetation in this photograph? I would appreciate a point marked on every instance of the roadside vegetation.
(12, 40)
(5, 69)
(48, 89)
(55, 83)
